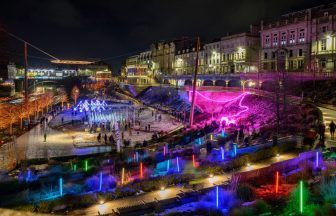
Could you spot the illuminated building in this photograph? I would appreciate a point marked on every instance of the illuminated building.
(98, 70)
(139, 69)
(185, 58)
(307, 37)
(291, 33)
(149, 66)
(323, 39)
(212, 57)
(163, 57)
(239, 52)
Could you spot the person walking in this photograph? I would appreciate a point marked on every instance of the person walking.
(332, 127)
(99, 137)
(45, 137)
(105, 139)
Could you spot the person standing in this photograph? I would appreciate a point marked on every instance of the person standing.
(45, 137)
(332, 127)
(105, 138)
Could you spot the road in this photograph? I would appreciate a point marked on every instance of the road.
(329, 114)
(173, 191)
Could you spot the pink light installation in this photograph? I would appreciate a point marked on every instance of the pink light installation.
(210, 102)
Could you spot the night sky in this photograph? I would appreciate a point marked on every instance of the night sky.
(116, 29)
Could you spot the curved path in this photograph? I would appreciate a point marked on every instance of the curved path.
(172, 192)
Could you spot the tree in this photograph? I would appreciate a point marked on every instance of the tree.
(75, 93)
(49, 99)
(24, 112)
(63, 97)
(9, 113)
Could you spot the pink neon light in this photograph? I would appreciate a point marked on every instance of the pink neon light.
(228, 119)
(220, 101)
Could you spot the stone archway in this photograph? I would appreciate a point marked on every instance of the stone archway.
(188, 82)
(234, 83)
(208, 83)
(166, 81)
(220, 83)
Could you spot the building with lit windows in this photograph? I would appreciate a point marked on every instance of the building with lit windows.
(212, 57)
(163, 57)
(290, 34)
(138, 69)
(240, 52)
(323, 52)
(185, 58)
(95, 70)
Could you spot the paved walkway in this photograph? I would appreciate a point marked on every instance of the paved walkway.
(329, 114)
(172, 192)
(32, 145)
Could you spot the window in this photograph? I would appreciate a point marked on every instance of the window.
(290, 53)
(326, 14)
(273, 55)
(300, 52)
(267, 40)
(292, 37)
(323, 44)
(283, 38)
(265, 66)
(265, 55)
(324, 29)
(275, 40)
(300, 64)
(323, 63)
(273, 65)
(301, 36)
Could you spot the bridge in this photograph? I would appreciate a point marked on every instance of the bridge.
(241, 79)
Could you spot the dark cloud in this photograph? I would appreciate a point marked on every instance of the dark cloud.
(101, 28)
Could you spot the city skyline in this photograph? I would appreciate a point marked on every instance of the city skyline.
(106, 36)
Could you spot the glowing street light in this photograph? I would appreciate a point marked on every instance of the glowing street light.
(301, 196)
(277, 182)
(217, 196)
(193, 160)
(122, 175)
(100, 180)
(141, 172)
(61, 186)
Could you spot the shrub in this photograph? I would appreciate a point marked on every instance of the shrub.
(328, 191)
(260, 207)
(245, 192)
